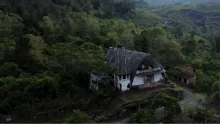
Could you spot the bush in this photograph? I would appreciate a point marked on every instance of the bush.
(144, 116)
(10, 69)
(78, 117)
(45, 87)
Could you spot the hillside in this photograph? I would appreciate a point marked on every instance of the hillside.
(166, 2)
(49, 47)
(202, 18)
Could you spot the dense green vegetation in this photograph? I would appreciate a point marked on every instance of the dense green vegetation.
(199, 115)
(171, 108)
(48, 47)
(144, 116)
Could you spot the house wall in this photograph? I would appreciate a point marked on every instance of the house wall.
(124, 84)
(94, 85)
(138, 80)
(158, 77)
(93, 81)
(119, 79)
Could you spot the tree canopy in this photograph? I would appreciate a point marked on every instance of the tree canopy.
(49, 47)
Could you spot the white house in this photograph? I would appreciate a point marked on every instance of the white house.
(133, 68)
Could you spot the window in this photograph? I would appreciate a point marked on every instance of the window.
(124, 76)
(129, 86)
(119, 77)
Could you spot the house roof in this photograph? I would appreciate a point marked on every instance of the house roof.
(125, 61)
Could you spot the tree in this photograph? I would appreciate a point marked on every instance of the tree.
(157, 42)
(141, 42)
(178, 32)
(216, 90)
(10, 25)
(45, 87)
(37, 47)
(203, 83)
(197, 63)
(217, 42)
(156, 31)
(199, 115)
(50, 30)
(78, 117)
(144, 116)
(10, 69)
(170, 104)
(190, 46)
(90, 57)
(7, 49)
(81, 24)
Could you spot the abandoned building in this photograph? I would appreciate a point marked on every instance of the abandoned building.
(132, 69)
(182, 74)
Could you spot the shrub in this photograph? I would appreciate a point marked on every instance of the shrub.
(144, 116)
(78, 117)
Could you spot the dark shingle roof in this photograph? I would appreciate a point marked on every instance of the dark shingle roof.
(126, 61)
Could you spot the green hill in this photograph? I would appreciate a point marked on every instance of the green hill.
(202, 18)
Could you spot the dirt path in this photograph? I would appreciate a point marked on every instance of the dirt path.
(190, 98)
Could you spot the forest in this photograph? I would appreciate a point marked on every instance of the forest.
(48, 47)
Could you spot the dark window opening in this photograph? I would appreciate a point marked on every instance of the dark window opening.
(150, 76)
(185, 80)
(129, 86)
(120, 86)
(139, 68)
(119, 77)
(124, 76)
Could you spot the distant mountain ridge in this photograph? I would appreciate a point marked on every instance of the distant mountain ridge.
(164, 2)
(203, 18)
